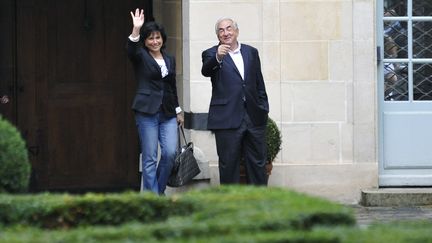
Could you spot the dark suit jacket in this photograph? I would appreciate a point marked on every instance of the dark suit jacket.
(153, 92)
(231, 95)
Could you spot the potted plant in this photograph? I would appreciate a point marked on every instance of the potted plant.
(274, 141)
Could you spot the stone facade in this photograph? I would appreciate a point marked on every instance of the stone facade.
(319, 64)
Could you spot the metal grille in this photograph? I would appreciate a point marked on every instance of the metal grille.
(396, 39)
(396, 81)
(422, 81)
(422, 8)
(422, 39)
(407, 64)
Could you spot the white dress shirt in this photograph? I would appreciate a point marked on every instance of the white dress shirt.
(238, 60)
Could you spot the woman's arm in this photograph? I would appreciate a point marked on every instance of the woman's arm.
(138, 21)
(132, 44)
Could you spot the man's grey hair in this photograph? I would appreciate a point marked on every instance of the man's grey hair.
(234, 23)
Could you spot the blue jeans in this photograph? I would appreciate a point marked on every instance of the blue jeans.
(153, 129)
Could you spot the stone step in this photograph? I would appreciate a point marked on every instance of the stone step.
(396, 197)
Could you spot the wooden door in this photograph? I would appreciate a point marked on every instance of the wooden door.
(7, 60)
(74, 88)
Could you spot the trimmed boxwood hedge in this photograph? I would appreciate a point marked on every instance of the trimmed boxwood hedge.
(406, 232)
(229, 211)
(65, 211)
(235, 209)
(220, 208)
(219, 214)
(14, 163)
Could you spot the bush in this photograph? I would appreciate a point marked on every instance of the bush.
(218, 214)
(274, 140)
(208, 212)
(66, 211)
(399, 233)
(14, 163)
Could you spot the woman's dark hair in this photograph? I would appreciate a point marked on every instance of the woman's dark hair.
(151, 27)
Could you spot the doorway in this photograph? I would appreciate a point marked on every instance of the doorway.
(405, 92)
(71, 92)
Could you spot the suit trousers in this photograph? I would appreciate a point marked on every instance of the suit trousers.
(248, 142)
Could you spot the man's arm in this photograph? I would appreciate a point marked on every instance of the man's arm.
(210, 63)
(261, 90)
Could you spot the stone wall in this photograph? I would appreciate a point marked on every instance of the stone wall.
(318, 61)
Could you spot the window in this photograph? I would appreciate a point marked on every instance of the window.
(407, 63)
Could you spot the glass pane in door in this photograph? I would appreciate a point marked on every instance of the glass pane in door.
(422, 8)
(422, 39)
(395, 39)
(422, 81)
(395, 81)
(396, 8)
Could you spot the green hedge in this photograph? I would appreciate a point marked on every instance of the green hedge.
(236, 209)
(219, 214)
(65, 211)
(143, 233)
(407, 232)
(14, 163)
(218, 209)
(228, 211)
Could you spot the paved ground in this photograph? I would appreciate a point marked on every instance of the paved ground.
(367, 215)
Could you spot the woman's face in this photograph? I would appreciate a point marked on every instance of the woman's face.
(154, 42)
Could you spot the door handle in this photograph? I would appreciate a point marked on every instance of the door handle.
(4, 99)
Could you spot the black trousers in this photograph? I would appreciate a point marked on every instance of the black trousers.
(247, 141)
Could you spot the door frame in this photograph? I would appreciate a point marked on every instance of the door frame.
(23, 81)
(394, 115)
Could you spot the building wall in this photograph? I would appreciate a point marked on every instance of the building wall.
(169, 14)
(318, 61)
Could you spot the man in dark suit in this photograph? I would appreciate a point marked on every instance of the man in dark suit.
(239, 106)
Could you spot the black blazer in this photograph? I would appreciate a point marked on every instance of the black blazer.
(153, 92)
(231, 95)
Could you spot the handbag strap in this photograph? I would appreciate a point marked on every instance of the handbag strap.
(184, 137)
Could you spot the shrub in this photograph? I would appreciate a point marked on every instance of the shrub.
(211, 211)
(218, 214)
(66, 211)
(14, 163)
(274, 140)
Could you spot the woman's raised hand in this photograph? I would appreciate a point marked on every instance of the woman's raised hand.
(138, 18)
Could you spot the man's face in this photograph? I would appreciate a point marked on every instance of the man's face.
(227, 34)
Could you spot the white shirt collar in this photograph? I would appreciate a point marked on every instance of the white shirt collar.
(237, 50)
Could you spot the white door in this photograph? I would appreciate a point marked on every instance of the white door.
(405, 92)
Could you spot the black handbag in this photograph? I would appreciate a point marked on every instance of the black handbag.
(185, 165)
